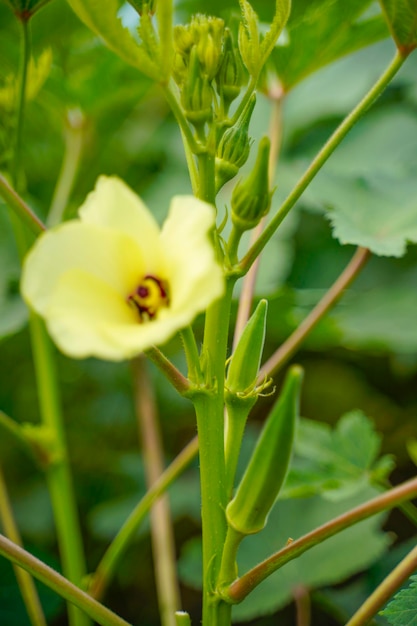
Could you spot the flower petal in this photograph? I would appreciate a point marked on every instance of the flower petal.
(114, 205)
(86, 317)
(110, 256)
(195, 277)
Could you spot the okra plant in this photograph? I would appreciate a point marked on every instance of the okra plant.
(105, 277)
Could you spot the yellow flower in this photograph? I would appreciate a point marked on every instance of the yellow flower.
(112, 283)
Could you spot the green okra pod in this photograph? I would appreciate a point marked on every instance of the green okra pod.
(248, 511)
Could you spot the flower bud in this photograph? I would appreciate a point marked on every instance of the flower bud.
(197, 94)
(234, 147)
(251, 198)
(230, 76)
(247, 513)
(243, 371)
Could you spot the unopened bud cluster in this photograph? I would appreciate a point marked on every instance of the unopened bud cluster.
(206, 61)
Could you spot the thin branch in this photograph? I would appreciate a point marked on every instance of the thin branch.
(385, 590)
(303, 605)
(178, 380)
(321, 158)
(24, 579)
(291, 345)
(239, 589)
(62, 586)
(120, 543)
(19, 206)
(163, 542)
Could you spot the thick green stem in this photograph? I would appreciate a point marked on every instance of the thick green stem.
(210, 423)
(246, 583)
(58, 583)
(320, 160)
(120, 543)
(24, 579)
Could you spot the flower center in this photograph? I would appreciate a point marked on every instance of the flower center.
(149, 296)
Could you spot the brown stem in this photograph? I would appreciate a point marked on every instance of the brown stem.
(385, 590)
(244, 585)
(291, 345)
(303, 605)
(161, 523)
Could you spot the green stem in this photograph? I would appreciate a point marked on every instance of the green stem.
(190, 140)
(163, 543)
(24, 579)
(192, 355)
(58, 583)
(174, 376)
(12, 427)
(320, 160)
(385, 590)
(244, 585)
(74, 139)
(115, 551)
(331, 297)
(210, 424)
(20, 208)
(58, 474)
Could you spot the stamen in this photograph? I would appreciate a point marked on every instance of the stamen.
(150, 295)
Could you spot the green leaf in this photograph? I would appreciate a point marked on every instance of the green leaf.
(328, 563)
(335, 463)
(401, 16)
(103, 20)
(282, 13)
(402, 611)
(369, 184)
(321, 31)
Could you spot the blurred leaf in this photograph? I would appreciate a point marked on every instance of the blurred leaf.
(38, 72)
(402, 611)
(102, 18)
(401, 16)
(321, 31)
(335, 463)
(325, 564)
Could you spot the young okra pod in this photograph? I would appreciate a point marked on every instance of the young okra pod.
(248, 511)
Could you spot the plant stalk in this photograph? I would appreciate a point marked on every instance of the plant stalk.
(385, 590)
(239, 589)
(321, 158)
(163, 542)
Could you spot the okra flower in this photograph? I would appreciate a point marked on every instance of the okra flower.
(112, 283)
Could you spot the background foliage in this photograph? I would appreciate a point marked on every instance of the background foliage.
(362, 357)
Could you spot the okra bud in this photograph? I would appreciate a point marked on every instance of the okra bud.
(244, 365)
(247, 513)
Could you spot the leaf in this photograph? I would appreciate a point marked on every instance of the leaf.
(369, 185)
(328, 563)
(102, 19)
(402, 611)
(38, 72)
(335, 463)
(401, 16)
(282, 13)
(321, 31)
